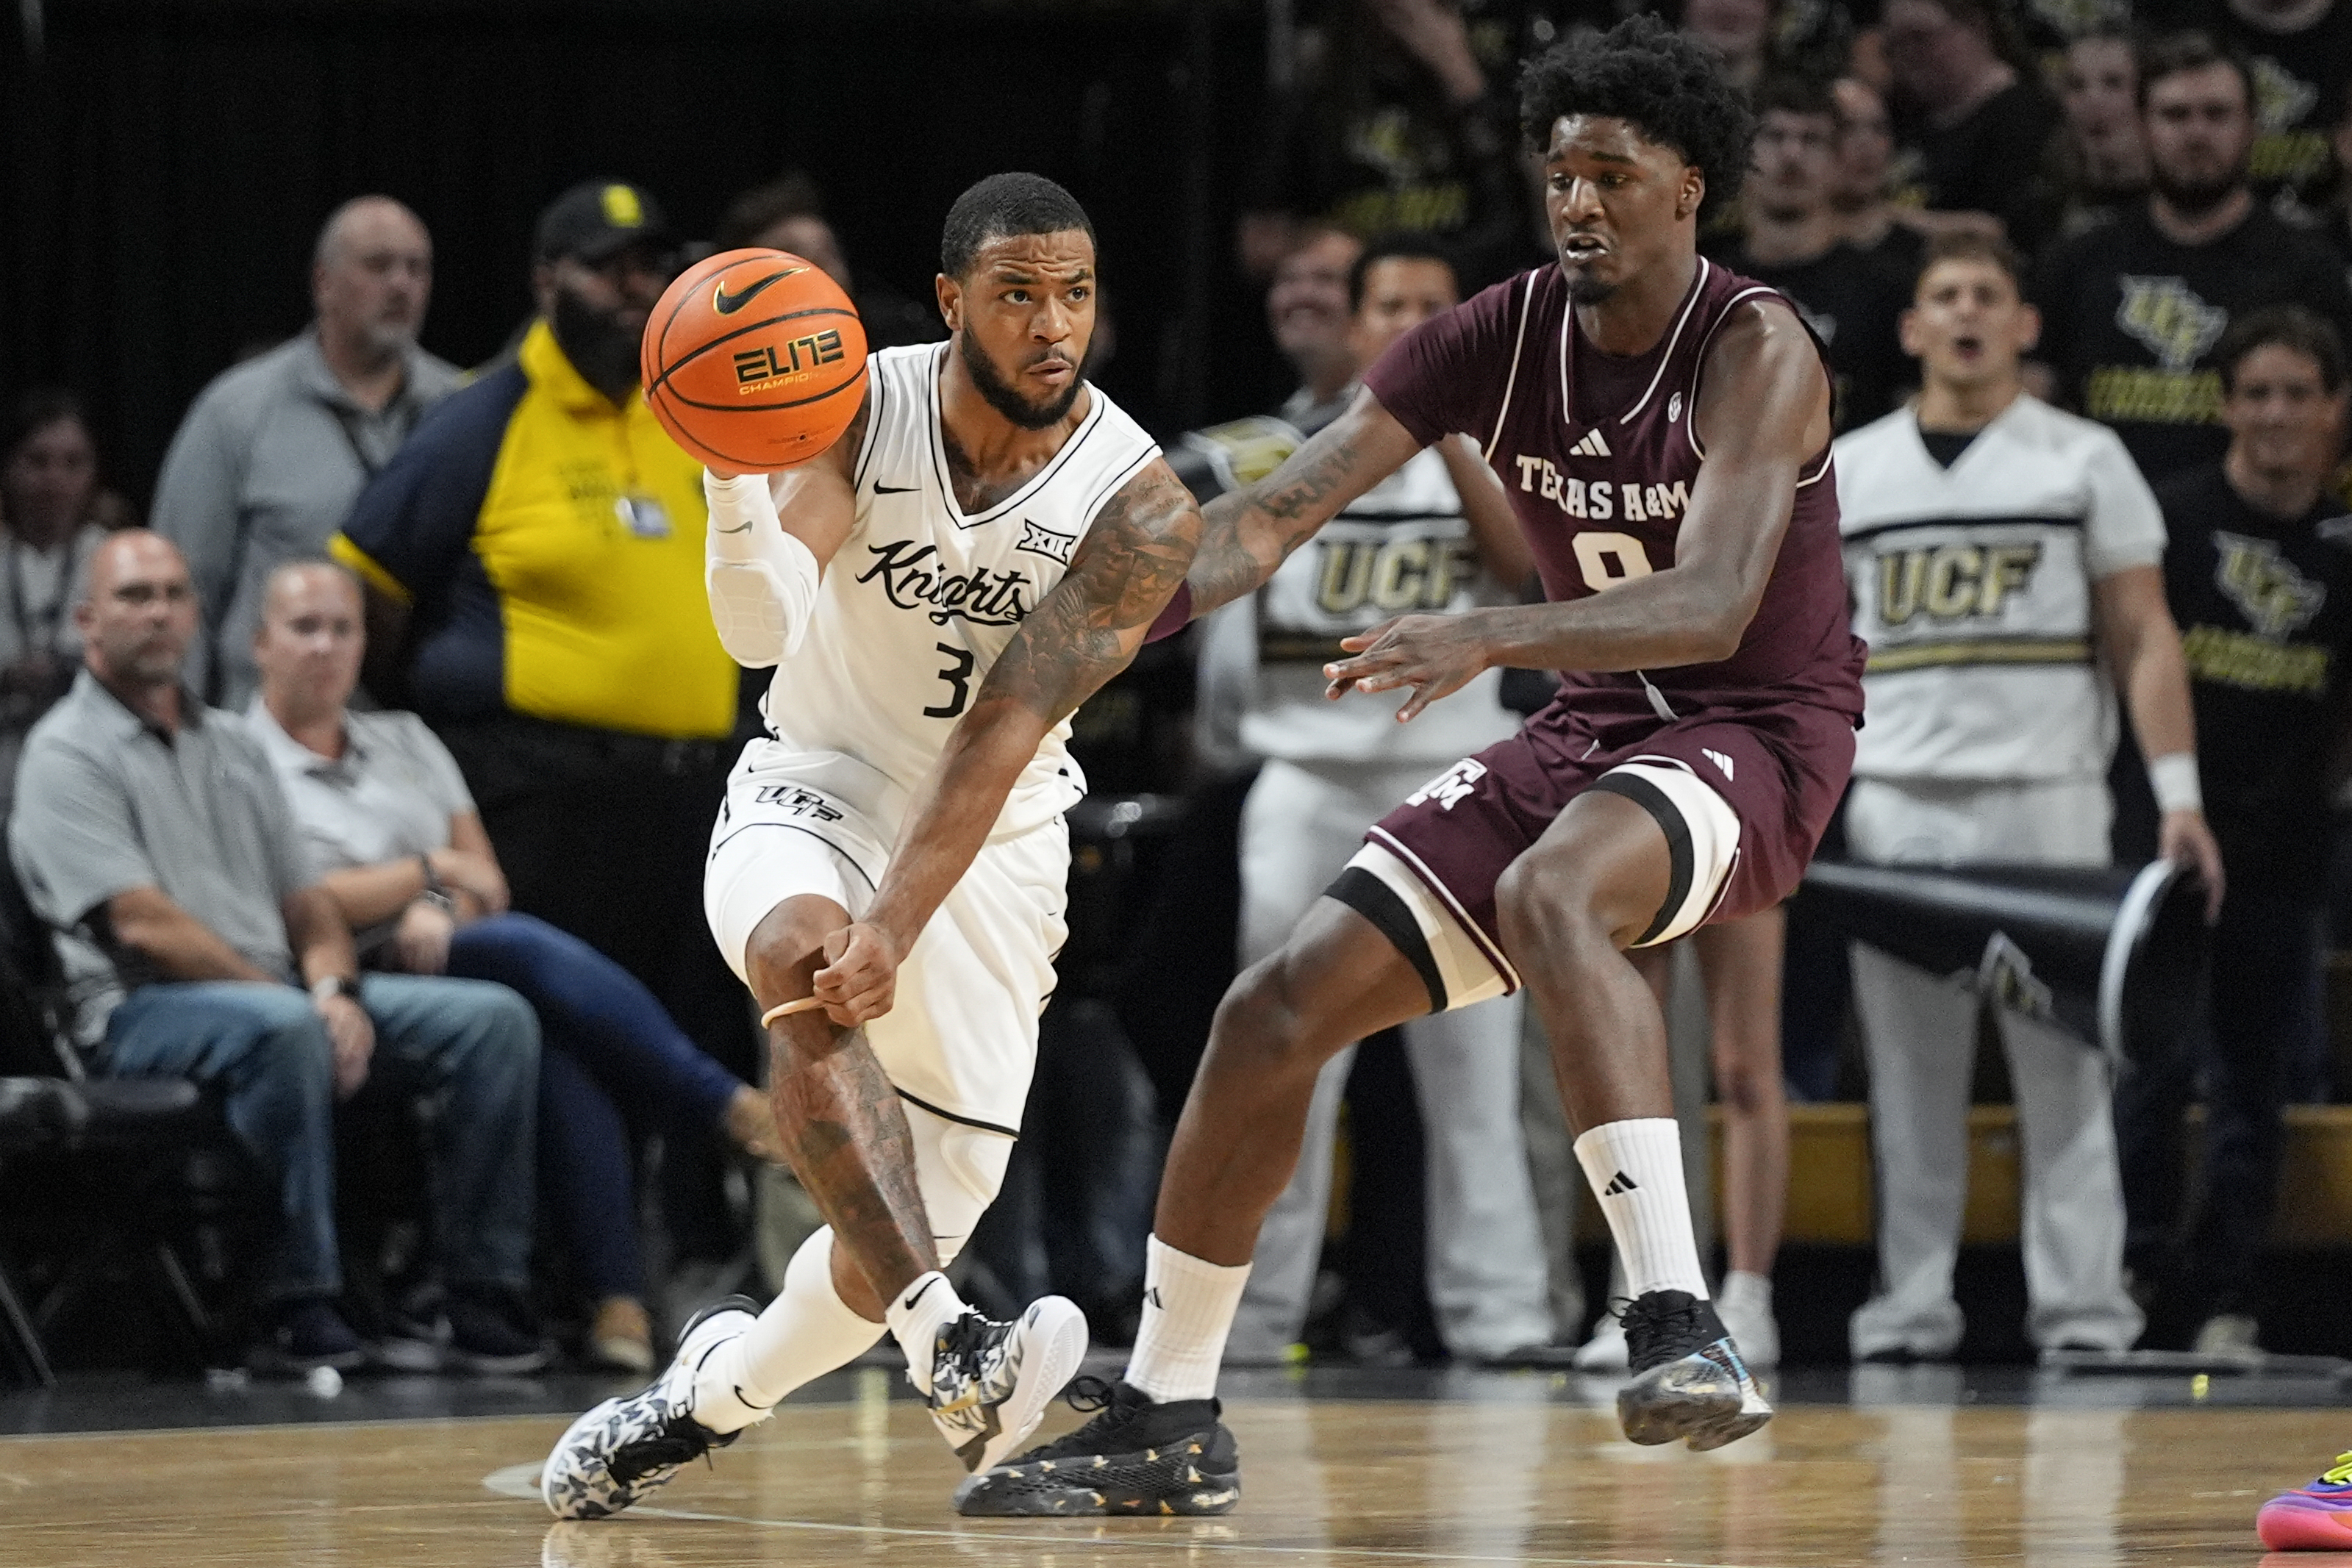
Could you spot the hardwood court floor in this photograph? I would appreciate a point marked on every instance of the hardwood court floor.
(1328, 1484)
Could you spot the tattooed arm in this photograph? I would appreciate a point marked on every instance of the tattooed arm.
(1245, 534)
(1083, 633)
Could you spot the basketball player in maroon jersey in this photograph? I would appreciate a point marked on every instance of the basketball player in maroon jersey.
(1663, 428)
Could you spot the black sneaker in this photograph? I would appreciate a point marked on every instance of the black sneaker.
(302, 1335)
(490, 1331)
(1688, 1380)
(415, 1336)
(1135, 1457)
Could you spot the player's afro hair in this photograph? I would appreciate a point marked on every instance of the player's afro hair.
(1004, 206)
(1668, 85)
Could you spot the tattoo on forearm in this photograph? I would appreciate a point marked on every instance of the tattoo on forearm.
(1281, 512)
(1130, 562)
(845, 1136)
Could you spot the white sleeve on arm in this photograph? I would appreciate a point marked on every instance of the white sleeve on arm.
(2125, 526)
(762, 580)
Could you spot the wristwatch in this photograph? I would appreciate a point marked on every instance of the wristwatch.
(327, 986)
(436, 892)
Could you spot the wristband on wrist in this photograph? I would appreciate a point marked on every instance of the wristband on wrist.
(327, 986)
(2173, 778)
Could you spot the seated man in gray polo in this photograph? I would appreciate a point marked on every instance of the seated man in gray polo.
(273, 453)
(153, 840)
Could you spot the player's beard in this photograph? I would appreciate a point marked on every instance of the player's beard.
(600, 347)
(999, 396)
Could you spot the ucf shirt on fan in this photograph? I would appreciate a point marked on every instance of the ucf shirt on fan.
(921, 597)
(1972, 584)
(2265, 606)
(2130, 319)
(1402, 548)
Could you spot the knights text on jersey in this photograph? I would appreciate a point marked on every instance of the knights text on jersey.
(921, 597)
(1973, 587)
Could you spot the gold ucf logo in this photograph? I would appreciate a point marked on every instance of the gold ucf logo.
(2166, 315)
(2274, 595)
(1953, 581)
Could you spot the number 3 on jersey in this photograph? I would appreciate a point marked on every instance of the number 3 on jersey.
(957, 675)
(1609, 558)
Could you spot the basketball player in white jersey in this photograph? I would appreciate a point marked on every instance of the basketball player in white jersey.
(989, 543)
(2004, 558)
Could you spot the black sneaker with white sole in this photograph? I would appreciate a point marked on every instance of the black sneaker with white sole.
(1135, 1456)
(1688, 1380)
(992, 1382)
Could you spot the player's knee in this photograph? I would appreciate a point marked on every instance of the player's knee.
(1540, 908)
(1264, 1019)
(1747, 1088)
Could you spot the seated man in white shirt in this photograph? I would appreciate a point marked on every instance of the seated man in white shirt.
(2004, 562)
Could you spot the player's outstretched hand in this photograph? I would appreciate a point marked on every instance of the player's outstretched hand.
(1435, 655)
(860, 978)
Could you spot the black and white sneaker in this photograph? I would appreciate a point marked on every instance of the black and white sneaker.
(991, 1382)
(622, 1450)
(1135, 1457)
(1688, 1380)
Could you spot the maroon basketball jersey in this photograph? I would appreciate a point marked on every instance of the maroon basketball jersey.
(1599, 455)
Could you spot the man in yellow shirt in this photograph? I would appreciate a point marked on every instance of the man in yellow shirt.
(533, 558)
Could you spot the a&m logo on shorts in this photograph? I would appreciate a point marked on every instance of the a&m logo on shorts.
(1450, 786)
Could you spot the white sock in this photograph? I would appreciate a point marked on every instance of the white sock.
(916, 1315)
(1187, 1310)
(806, 1332)
(1636, 1171)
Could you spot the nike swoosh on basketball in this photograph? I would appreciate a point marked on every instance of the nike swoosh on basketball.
(727, 304)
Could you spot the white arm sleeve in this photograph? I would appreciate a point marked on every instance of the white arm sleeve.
(762, 580)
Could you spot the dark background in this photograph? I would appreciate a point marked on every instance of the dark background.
(167, 163)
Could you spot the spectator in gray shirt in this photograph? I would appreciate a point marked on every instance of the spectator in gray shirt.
(273, 453)
(153, 839)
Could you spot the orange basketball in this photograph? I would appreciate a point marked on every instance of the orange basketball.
(754, 360)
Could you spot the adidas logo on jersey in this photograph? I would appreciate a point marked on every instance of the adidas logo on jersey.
(1590, 446)
(1720, 760)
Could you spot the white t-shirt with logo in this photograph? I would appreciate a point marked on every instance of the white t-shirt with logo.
(1972, 586)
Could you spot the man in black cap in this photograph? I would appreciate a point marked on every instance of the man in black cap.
(533, 560)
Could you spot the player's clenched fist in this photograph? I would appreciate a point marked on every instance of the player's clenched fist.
(860, 978)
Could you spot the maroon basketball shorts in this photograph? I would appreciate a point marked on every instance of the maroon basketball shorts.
(1742, 798)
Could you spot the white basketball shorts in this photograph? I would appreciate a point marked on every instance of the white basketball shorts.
(961, 1040)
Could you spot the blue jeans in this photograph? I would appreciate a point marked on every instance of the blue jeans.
(609, 1045)
(472, 1048)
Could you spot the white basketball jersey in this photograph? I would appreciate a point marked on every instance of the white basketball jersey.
(1972, 586)
(921, 598)
(1401, 549)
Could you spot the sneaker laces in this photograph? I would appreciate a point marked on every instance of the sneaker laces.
(1087, 1392)
(2340, 1473)
(1655, 1322)
(681, 1440)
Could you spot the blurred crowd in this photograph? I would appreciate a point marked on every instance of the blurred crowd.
(387, 682)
